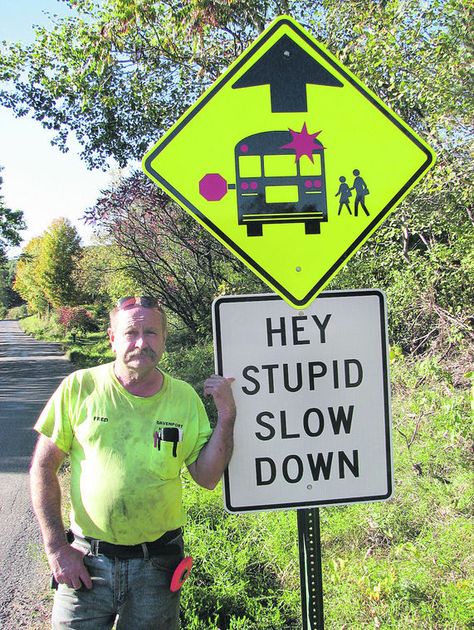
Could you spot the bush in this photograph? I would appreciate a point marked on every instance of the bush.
(43, 327)
(95, 351)
(193, 365)
(17, 312)
(76, 319)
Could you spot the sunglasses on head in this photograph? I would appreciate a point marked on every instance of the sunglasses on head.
(141, 300)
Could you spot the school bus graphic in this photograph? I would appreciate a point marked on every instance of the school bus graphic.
(274, 187)
(273, 183)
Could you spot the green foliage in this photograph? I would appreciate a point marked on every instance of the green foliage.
(193, 365)
(59, 248)
(429, 295)
(102, 274)
(11, 223)
(8, 296)
(119, 73)
(17, 312)
(93, 350)
(45, 269)
(415, 56)
(246, 568)
(27, 279)
(43, 327)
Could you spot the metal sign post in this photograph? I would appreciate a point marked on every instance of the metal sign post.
(311, 575)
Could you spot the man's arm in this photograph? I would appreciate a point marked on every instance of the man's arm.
(65, 561)
(215, 455)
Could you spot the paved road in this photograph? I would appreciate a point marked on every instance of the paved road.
(30, 371)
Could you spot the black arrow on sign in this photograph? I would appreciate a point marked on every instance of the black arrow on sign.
(287, 68)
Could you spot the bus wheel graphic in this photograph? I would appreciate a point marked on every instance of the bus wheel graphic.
(254, 229)
(312, 227)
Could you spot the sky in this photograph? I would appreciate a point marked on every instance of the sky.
(38, 178)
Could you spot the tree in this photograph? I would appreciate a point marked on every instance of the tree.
(11, 223)
(416, 56)
(27, 279)
(166, 251)
(119, 73)
(103, 275)
(60, 248)
(44, 273)
(9, 298)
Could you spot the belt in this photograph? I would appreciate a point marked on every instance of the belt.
(158, 547)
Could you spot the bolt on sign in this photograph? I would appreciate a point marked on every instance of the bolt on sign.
(290, 161)
(312, 396)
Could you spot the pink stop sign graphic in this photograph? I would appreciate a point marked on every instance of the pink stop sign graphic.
(213, 187)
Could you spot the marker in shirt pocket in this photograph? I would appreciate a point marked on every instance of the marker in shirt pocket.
(168, 435)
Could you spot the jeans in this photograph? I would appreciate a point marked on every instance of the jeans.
(136, 589)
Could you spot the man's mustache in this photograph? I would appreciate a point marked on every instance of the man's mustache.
(146, 352)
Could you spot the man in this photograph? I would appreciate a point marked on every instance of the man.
(361, 189)
(128, 428)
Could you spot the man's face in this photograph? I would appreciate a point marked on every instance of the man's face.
(137, 338)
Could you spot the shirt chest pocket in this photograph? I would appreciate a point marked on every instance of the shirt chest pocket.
(167, 456)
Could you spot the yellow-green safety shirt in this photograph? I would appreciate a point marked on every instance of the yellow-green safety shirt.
(126, 452)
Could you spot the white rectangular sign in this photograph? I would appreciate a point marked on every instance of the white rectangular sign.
(313, 399)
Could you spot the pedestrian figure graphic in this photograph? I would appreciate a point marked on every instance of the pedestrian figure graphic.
(345, 193)
(361, 191)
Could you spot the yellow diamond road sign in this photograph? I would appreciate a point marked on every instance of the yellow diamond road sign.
(290, 161)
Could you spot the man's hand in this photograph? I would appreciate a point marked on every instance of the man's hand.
(219, 387)
(68, 567)
(214, 457)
